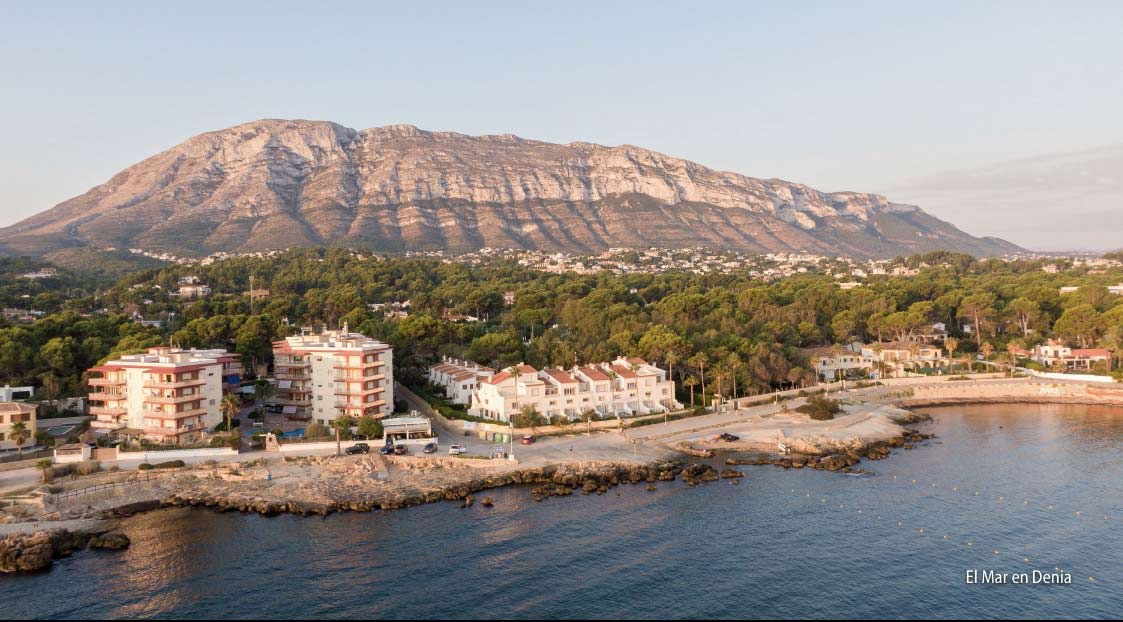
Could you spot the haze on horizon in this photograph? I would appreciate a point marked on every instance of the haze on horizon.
(1002, 119)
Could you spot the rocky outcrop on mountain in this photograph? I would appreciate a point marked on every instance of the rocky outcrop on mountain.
(277, 184)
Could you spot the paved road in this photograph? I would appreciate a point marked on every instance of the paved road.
(18, 479)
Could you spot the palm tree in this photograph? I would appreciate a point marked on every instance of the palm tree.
(231, 406)
(44, 465)
(735, 364)
(987, 350)
(262, 391)
(699, 361)
(587, 416)
(20, 434)
(952, 344)
(671, 359)
(612, 392)
(690, 382)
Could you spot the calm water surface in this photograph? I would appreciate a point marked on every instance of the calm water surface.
(783, 543)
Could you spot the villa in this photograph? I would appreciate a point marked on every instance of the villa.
(12, 413)
(1055, 354)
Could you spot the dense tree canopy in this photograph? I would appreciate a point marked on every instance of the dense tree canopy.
(728, 332)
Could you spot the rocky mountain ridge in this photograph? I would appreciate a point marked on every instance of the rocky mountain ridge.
(280, 183)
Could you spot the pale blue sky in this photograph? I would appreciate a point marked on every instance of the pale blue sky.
(839, 95)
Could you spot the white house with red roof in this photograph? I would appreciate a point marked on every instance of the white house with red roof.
(1055, 353)
(459, 378)
(625, 387)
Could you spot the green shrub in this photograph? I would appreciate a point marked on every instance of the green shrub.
(88, 467)
(820, 408)
(316, 430)
(170, 464)
(144, 466)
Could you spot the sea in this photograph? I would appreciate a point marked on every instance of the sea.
(1031, 493)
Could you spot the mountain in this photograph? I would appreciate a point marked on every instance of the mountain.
(1055, 202)
(278, 183)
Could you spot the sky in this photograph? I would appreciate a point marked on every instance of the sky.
(865, 96)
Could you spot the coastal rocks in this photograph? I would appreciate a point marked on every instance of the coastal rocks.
(32, 552)
(699, 473)
(550, 490)
(26, 553)
(113, 541)
(487, 502)
(878, 452)
(731, 474)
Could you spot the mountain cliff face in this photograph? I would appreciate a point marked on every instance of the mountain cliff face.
(277, 184)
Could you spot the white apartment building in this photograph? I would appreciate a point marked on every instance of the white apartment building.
(459, 378)
(167, 395)
(624, 387)
(10, 414)
(323, 376)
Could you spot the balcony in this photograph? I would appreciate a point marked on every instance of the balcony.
(106, 382)
(290, 375)
(162, 431)
(173, 399)
(102, 396)
(100, 424)
(346, 390)
(108, 411)
(359, 366)
(178, 384)
(167, 416)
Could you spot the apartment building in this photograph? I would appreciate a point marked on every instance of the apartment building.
(321, 376)
(167, 395)
(459, 378)
(624, 387)
(12, 413)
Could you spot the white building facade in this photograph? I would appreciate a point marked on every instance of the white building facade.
(167, 395)
(459, 378)
(333, 373)
(625, 387)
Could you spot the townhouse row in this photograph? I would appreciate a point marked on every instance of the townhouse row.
(624, 387)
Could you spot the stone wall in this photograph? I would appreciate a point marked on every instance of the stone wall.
(1014, 390)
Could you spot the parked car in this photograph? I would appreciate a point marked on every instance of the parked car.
(358, 448)
(529, 439)
(400, 450)
(386, 450)
(456, 450)
(430, 448)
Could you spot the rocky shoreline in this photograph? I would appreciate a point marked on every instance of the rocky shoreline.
(546, 481)
(843, 461)
(36, 549)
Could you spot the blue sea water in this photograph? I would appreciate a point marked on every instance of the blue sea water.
(1000, 488)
